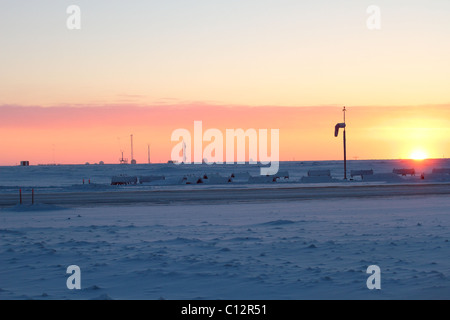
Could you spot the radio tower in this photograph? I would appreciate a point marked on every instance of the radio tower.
(148, 154)
(184, 152)
(132, 157)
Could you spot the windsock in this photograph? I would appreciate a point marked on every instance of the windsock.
(338, 126)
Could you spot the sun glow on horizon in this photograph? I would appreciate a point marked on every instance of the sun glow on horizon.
(419, 154)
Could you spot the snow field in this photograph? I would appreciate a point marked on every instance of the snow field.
(311, 249)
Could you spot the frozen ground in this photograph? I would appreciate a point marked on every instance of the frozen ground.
(70, 177)
(241, 240)
(63, 185)
(309, 249)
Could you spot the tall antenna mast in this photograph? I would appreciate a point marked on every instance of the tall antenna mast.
(122, 160)
(132, 156)
(132, 148)
(184, 152)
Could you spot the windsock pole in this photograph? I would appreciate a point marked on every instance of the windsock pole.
(336, 134)
(345, 149)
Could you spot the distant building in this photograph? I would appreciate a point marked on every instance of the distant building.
(24, 163)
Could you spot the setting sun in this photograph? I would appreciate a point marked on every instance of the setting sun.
(419, 155)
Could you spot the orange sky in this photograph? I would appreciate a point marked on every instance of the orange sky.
(75, 135)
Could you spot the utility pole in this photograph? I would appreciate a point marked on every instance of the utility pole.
(148, 154)
(184, 152)
(132, 148)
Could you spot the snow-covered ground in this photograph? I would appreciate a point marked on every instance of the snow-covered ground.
(241, 240)
(312, 249)
(71, 176)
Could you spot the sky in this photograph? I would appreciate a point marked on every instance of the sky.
(147, 68)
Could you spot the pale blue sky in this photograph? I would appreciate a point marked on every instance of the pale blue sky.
(251, 52)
